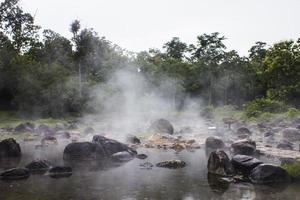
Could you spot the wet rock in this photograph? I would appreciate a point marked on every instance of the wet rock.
(287, 161)
(38, 166)
(172, 164)
(244, 164)
(15, 174)
(219, 163)
(244, 147)
(217, 184)
(298, 127)
(291, 134)
(112, 146)
(133, 139)
(72, 126)
(285, 145)
(267, 173)
(84, 151)
(141, 156)
(123, 156)
(9, 148)
(146, 165)
(60, 172)
(162, 126)
(243, 131)
(25, 127)
(89, 130)
(213, 142)
(44, 129)
(262, 125)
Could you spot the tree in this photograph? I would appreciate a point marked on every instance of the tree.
(18, 25)
(175, 48)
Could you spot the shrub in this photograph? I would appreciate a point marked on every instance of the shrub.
(292, 113)
(259, 106)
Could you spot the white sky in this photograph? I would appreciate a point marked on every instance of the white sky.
(139, 24)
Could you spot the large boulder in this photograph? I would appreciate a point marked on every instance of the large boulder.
(244, 147)
(244, 164)
(267, 173)
(291, 134)
(123, 156)
(84, 151)
(133, 139)
(9, 148)
(213, 142)
(219, 163)
(162, 126)
(15, 174)
(112, 146)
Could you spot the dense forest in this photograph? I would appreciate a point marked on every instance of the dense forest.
(44, 73)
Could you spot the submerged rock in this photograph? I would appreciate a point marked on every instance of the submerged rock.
(38, 166)
(162, 126)
(213, 142)
(244, 147)
(141, 156)
(219, 163)
(9, 148)
(146, 165)
(267, 173)
(123, 156)
(172, 164)
(244, 164)
(60, 172)
(15, 174)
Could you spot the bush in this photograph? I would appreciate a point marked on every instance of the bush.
(293, 113)
(259, 106)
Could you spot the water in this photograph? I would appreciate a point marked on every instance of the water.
(129, 181)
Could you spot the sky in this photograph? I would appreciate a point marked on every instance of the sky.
(138, 25)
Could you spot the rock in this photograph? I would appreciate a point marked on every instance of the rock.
(244, 164)
(267, 173)
(89, 130)
(219, 163)
(72, 126)
(185, 130)
(243, 130)
(9, 148)
(25, 127)
(84, 151)
(38, 166)
(244, 147)
(123, 156)
(285, 145)
(287, 161)
(162, 126)
(59, 127)
(63, 134)
(48, 140)
(146, 165)
(298, 127)
(228, 121)
(15, 174)
(213, 142)
(172, 164)
(60, 172)
(217, 184)
(291, 134)
(133, 139)
(44, 129)
(141, 156)
(268, 134)
(112, 146)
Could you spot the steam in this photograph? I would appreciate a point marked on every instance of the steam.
(128, 102)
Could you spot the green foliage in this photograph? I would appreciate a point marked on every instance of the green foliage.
(293, 169)
(293, 113)
(260, 106)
